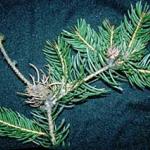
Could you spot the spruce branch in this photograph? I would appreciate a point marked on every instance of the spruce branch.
(18, 126)
(46, 119)
(103, 55)
(58, 58)
(76, 60)
(135, 29)
(38, 93)
(125, 45)
(80, 39)
(83, 40)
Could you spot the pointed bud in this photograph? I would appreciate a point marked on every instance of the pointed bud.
(113, 53)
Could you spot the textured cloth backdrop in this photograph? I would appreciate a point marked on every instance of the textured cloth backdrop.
(118, 121)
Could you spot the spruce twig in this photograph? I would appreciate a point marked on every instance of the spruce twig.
(11, 64)
(50, 121)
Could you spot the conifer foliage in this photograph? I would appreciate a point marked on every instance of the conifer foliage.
(75, 61)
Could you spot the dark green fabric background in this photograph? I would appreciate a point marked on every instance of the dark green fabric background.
(118, 121)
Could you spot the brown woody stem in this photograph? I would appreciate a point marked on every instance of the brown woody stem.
(12, 65)
(50, 121)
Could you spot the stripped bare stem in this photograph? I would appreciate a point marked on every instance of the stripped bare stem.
(11, 64)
